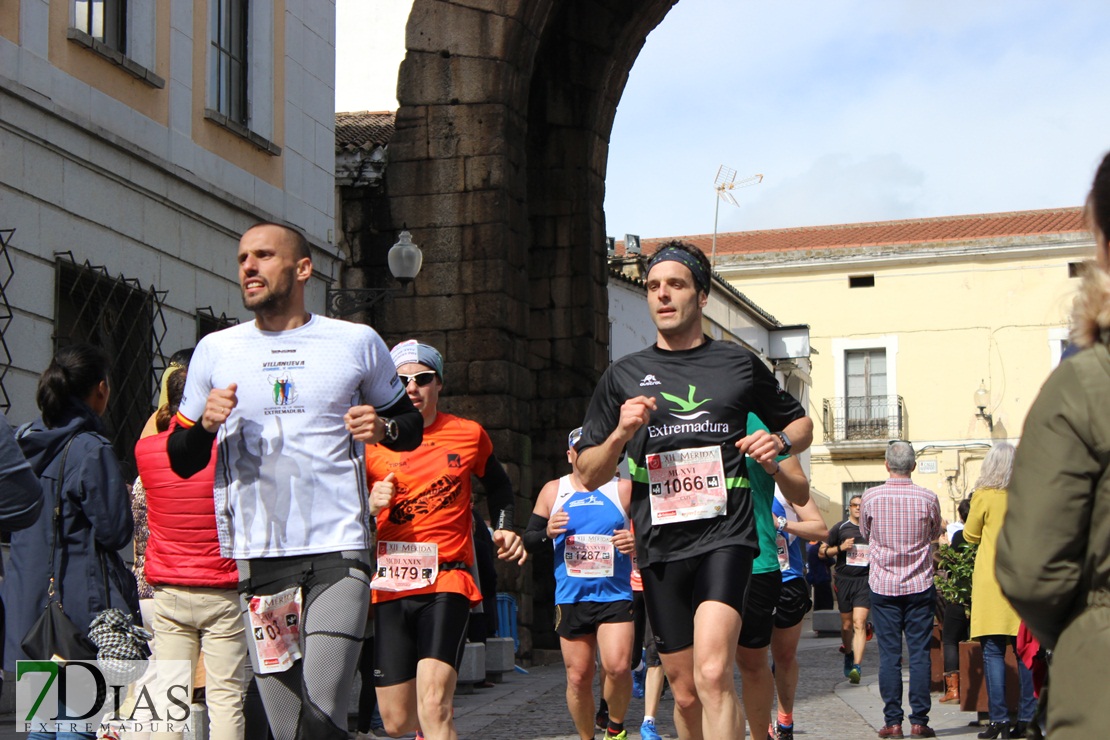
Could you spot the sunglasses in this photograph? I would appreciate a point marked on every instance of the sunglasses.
(421, 379)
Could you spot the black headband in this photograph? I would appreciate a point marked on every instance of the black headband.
(674, 254)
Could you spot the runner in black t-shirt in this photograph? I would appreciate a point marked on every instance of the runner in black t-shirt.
(679, 409)
(853, 596)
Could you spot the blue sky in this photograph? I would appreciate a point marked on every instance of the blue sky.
(854, 110)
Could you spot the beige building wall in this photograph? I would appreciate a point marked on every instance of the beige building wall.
(112, 157)
(948, 319)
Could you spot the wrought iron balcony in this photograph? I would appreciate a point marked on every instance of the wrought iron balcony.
(864, 418)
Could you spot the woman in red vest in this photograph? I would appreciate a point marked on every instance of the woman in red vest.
(196, 606)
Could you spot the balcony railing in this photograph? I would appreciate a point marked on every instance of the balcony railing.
(863, 418)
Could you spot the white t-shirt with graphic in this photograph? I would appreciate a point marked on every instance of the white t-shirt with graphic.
(290, 479)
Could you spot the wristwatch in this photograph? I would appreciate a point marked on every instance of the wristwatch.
(786, 446)
(391, 430)
(780, 523)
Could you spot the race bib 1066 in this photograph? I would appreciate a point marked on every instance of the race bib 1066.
(686, 484)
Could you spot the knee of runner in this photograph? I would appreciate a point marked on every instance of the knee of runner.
(618, 672)
(684, 700)
(396, 720)
(582, 675)
(713, 674)
(752, 661)
(437, 711)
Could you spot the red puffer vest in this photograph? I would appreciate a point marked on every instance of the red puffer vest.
(182, 548)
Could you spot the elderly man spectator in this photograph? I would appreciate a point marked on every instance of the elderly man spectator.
(901, 520)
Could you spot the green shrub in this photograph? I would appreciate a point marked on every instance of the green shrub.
(953, 577)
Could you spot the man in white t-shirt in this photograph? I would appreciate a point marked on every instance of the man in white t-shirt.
(291, 398)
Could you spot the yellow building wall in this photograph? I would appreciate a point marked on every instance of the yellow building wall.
(9, 21)
(948, 325)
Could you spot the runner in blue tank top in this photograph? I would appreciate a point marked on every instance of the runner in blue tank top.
(794, 525)
(593, 592)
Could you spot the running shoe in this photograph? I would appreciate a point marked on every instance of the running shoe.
(854, 674)
(602, 719)
(870, 631)
(648, 732)
(622, 735)
(784, 733)
(638, 684)
(847, 663)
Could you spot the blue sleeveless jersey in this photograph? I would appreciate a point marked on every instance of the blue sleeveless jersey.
(795, 546)
(591, 513)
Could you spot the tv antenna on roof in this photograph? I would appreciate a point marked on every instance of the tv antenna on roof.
(724, 184)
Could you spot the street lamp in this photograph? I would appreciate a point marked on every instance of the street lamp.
(982, 401)
(405, 260)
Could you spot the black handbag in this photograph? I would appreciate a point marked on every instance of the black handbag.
(54, 636)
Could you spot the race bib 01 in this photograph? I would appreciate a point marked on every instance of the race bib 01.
(686, 484)
(588, 555)
(276, 629)
(405, 566)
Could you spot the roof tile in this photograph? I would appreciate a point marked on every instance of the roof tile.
(363, 129)
(888, 233)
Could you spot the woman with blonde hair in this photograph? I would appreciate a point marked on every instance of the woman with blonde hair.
(993, 621)
(1054, 552)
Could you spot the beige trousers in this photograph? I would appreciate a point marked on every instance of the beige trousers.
(190, 621)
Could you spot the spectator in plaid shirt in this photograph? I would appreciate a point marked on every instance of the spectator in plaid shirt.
(901, 521)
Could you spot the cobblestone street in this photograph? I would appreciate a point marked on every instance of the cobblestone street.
(533, 706)
(828, 707)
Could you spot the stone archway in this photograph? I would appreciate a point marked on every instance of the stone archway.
(497, 166)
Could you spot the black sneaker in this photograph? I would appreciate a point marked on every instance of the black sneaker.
(784, 732)
(602, 719)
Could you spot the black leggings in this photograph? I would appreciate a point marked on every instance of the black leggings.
(954, 631)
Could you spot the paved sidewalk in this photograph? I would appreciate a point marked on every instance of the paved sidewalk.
(533, 706)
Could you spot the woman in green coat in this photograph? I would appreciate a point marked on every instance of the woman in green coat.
(1054, 551)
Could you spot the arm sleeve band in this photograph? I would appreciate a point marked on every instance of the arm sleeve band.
(190, 449)
(535, 536)
(410, 425)
(499, 494)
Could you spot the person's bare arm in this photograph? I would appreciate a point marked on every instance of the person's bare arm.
(810, 525)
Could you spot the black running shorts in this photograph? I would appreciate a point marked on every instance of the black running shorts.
(674, 590)
(413, 628)
(794, 603)
(581, 619)
(852, 593)
(759, 609)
